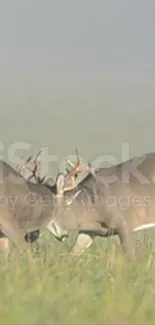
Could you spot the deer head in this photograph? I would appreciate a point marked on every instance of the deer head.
(32, 164)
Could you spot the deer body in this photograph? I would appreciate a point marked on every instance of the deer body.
(24, 206)
(118, 200)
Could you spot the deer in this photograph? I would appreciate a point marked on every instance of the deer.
(19, 216)
(29, 169)
(32, 165)
(115, 201)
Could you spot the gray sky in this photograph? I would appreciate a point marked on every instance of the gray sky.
(93, 59)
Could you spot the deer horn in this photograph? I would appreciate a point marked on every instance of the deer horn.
(38, 154)
(76, 169)
(32, 166)
(70, 163)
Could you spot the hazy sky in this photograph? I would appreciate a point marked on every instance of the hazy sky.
(93, 59)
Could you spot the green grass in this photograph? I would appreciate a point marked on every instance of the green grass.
(98, 288)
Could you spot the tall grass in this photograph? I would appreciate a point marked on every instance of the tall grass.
(98, 288)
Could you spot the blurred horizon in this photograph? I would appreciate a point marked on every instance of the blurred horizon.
(78, 74)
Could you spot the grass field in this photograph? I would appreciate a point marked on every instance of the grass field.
(98, 288)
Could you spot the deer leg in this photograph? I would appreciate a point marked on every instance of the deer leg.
(104, 232)
(127, 241)
(4, 244)
(84, 240)
(13, 233)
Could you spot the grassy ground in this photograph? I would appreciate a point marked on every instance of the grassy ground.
(99, 288)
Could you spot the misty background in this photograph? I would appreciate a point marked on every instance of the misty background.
(77, 73)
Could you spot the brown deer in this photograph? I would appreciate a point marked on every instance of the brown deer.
(29, 170)
(118, 200)
(32, 168)
(25, 206)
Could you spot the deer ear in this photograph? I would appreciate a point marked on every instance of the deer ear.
(60, 183)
